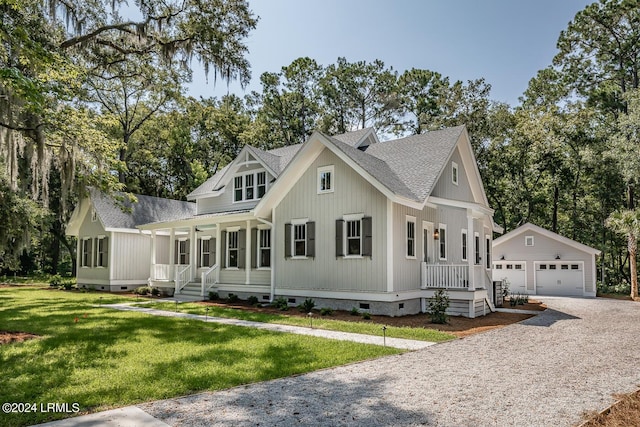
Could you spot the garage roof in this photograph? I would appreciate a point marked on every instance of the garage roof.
(550, 234)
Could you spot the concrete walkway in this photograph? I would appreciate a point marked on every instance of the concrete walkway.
(400, 343)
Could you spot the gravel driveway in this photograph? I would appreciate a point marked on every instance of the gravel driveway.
(545, 371)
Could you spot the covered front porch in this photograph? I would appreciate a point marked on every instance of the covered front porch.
(195, 256)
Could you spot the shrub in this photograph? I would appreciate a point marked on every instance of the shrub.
(142, 290)
(354, 312)
(55, 281)
(253, 300)
(155, 292)
(232, 298)
(366, 315)
(213, 296)
(326, 311)
(438, 306)
(281, 303)
(307, 305)
(505, 287)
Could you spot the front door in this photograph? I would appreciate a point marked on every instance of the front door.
(427, 243)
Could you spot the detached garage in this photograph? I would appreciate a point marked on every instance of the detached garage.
(536, 261)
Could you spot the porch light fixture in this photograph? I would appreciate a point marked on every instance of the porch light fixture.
(436, 234)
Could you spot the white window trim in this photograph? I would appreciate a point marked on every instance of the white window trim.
(294, 222)
(227, 249)
(441, 227)
(464, 257)
(82, 247)
(98, 238)
(455, 173)
(244, 187)
(258, 248)
(352, 217)
(526, 241)
(322, 169)
(409, 219)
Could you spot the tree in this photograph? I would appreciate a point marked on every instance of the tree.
(421, 96)
(627, 222)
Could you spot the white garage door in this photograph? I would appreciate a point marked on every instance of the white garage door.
(560, 278)
(512, 271)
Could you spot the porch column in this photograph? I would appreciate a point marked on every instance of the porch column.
(153, 255)
(218, 254)
(172, 253)
(471, 255)
(247, 262)
(194, 251)
(272, 255)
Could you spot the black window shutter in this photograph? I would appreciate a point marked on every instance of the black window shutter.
(255, 244)
(339, 238)
(92, 245)
(287, 240)
(212, 252)
(223, 248)
(199, 253)
(311, 239)
(175, 251)
(105, 250)
(187, 251)
(242, 240)
(367, 249)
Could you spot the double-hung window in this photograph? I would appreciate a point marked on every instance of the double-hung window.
(487, 241)
(261, 177)
(325, 179)
(477, 247)
(101, 251)
(300, 239)
(205, 252)
(232, 249)
(250, 186)
(411, 237)
(264, 248)
(442, 236)
(354, 237)
(238, 190)
(86, 244)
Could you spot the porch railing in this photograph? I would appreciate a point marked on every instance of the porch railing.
(160, 272)
(445, 276)
(183, 276)
(209, 279)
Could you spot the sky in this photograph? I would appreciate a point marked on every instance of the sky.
(505, 42)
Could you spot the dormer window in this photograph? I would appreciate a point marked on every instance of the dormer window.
(250, 186)
(94, 215)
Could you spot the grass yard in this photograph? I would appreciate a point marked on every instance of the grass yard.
(319, 322)
(102, 358)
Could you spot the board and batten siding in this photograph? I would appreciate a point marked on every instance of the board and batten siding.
(446, 189)
(352, 195)
(224, 202)
(131, 256)
(162, 249)
(92, 229)
(544, 249)
(234, 276)
(406, 271)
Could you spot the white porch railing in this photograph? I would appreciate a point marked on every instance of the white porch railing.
(445, 276)
(183, 276)
(160, 272)
(209, 279)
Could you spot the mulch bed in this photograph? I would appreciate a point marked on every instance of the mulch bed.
(532, 305)
(8, 337)
(457, 325)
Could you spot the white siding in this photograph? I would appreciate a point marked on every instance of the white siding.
(352, 195)
(91, 229)
(131, 256)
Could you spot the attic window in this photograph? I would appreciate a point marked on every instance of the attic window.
(454, 173)
(325, 179)
(94, 215)
(528, 240)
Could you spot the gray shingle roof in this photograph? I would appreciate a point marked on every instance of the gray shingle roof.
(352, 138)
(418, 160)
(409, 167)
(146, 210)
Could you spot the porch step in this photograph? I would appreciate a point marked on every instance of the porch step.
(191, 289)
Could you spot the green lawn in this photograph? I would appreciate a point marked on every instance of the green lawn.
(320, 322)
(110, 358)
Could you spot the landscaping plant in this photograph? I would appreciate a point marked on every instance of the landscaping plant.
(438, 306)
